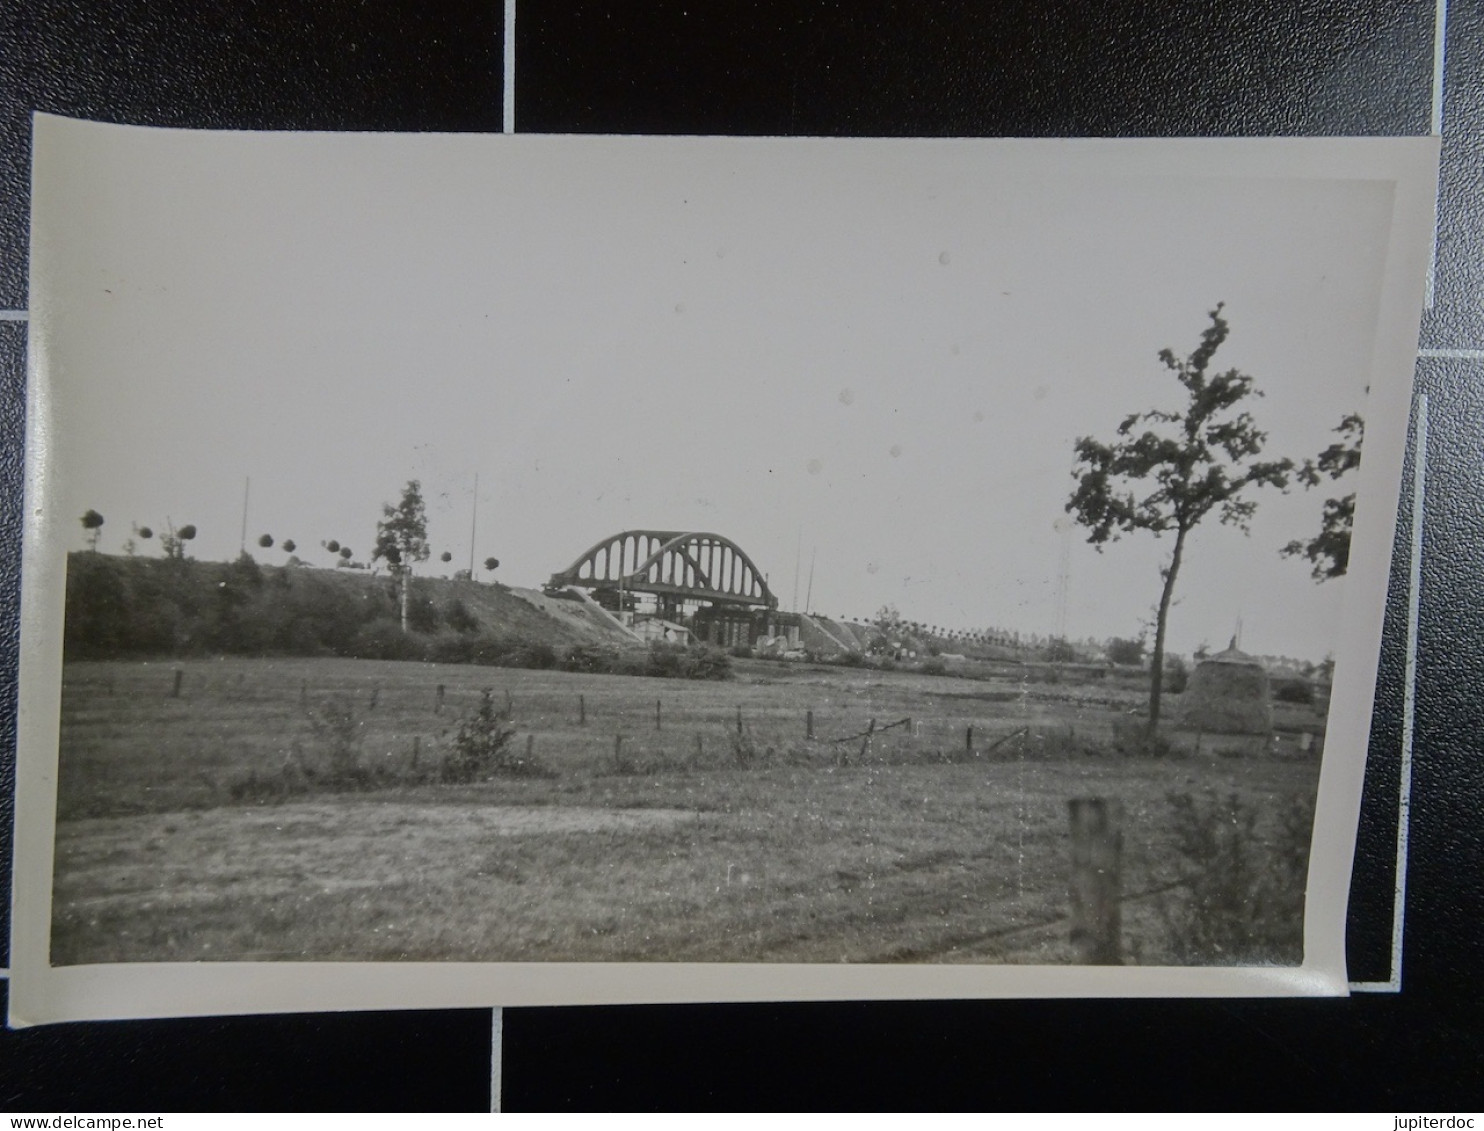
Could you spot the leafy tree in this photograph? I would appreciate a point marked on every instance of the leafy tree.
(1329, 551)
(1122, 651)
(266, 541)
(1168, 469)
(884, 625)
(288, 546)
(92, 522)
(492, 564)
(173, 541)
(402, 539)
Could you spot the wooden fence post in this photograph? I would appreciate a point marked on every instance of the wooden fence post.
(739, 720)
(417, 746)
(809, 724)
(530, 749)
(175, 691)
(303, 692)
(582, 711)
(969, 740)
(656, 714)
(375, 695)
(1097, 866)
(438, 706)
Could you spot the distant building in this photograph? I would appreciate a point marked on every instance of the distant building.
(656, 629)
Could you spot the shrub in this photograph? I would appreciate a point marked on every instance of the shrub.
(1177, 675)
(746, 751)
(482, 747)
(741, 651)
(850, 660)
(385, 640)
(703, 661)
(338, 733)
(934, 666)
(1129, 652)
(666, 660)
(588, 658)
(530, 654)
(1245, 897)
(422, 614)
(1060, 652)
(458, 617)
(1299, 691)
(1132, 739)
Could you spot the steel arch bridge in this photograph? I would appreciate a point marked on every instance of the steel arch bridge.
(674, 566)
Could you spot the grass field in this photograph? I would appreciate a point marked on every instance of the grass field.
(686, 840)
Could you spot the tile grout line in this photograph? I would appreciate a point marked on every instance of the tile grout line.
(1409, 711)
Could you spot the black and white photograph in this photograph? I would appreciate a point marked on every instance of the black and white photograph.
(534, 555)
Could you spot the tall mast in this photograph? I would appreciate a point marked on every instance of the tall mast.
(473, 524)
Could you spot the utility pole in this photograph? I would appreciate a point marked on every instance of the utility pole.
(473, 524)
(246, 487)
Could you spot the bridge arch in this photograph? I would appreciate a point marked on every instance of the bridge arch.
(671, 564)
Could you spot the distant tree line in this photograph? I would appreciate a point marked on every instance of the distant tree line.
(121, 607)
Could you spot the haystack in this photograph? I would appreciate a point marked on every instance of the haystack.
(1228, 693)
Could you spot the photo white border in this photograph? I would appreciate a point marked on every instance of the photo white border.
(43, 993)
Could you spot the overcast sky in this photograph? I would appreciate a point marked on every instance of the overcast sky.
(879, 352)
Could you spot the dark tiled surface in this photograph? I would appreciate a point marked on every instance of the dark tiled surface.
(1029, 68)
(238, 64)
(1456, 319)
(413, 1061)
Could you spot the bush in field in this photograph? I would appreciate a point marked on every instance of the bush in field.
(536, 655)
(1127, 652)
(741, 651)
(1060, 651)
(1299, 691)
(747, 752)
(338, 733)
(1177, 675)
(422, 613)
(1245, 894)
(588, 658)
(482, 747)
(934, 666)
(1132, 739)
(385, 640)
(457, 616)
(849, 660)
(704, 661)
(666, 660)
